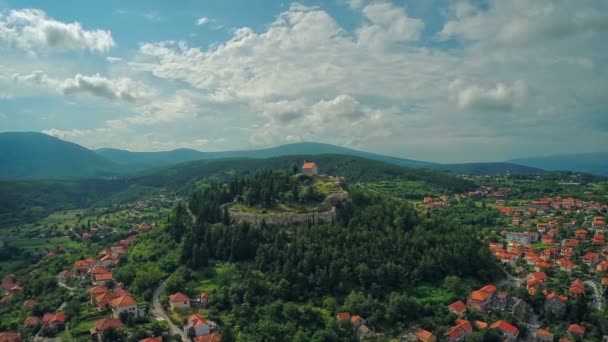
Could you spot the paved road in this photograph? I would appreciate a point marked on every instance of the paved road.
(597, 297)
(159, 312)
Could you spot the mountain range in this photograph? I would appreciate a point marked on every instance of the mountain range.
(31, 155)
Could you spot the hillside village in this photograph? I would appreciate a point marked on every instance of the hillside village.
(553, 251)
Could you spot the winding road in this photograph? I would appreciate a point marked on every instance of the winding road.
(159, 312)
(597, 297)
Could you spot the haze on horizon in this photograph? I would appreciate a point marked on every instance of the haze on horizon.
(456, 81)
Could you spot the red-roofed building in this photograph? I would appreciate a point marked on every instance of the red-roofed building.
(179, 301)
(577, 288)
(29, 304)
(200, 325)
(460, 331)
(82, 267)
(536, 280)
(109, 260)
(54, 321)
(102, 325)
(124, 304)
(507, 330)
(591, 259)
(213, 337)
(598, 239)
(152, 339)
(96, 291)
(602, 266)
(605, 281)
(576, 330)
(103, 279)
(343, 317)
(458, 308)
(565, 265)
(481, 325)
(32, 321)
(580, 234)
(543, 335)
(9, 336)
(64, 276)
(309, 169)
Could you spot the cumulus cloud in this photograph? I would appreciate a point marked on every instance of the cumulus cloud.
(525, 22)
(111, 59)
(388, 24)
(499, 98)
(33, 29)
(124, 89)
(201, 21)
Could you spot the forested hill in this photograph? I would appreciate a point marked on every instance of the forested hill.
(29, 200)
(370, 261)
(354, 169)
(31, 155)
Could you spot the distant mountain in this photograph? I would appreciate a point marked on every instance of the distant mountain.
(30, 155)
(142, 160)
(490, 169)
(595, 163)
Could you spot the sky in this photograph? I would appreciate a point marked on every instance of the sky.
(434, 80)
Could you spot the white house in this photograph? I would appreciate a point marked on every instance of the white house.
(179, 301)
(198, 324)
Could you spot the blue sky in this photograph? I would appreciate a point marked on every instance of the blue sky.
(448, 81)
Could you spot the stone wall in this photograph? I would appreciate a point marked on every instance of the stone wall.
(283, 219)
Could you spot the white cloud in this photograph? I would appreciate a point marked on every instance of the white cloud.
(123, 89)
(33, 29)
(152, 16)
(388, 24)
(111, 59)
(499, 98)
(202, 21)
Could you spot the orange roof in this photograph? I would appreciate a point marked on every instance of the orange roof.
(196, 319)
(479, 296)
(58, 318)
(98, 290)
(178, 297)
(152, 339)
(343, 316)
(309, 166)
(540, 276)
(31, 321)
(459, 307)
(10, 337)
(576, 329)
(488, 289)
(123, 301)
(103, 276)
(107, 323)
(213, 337)
(424, 335)
(355, 319)
(481, 325)
(99, 270)
(28, 304)
(542, 332)
(504, 327)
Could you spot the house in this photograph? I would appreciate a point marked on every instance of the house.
(32, 321)
(152, 339)
(103, 279)
(597, 224)
(124, 304)
(102, 325)
(536, 280)
(424, 335)
(460, 331)
(96, 291)
(481, 300)
(602, 266)
(356, 321)
(343, 317)
(565, 265)
(54, 322)
(82, 267)
(309, 169)
(179, 301)
(523, 238)
(458, 308)
(213, 337)
(364, 332)
(29, 304)
(605, 281)
(481, 325)
(591, 258)
(543, 335)
(576, 330)
(555, 302)
(108, 260)
(198, 324)
(10, 337)
(580, 234)
(64, 276)
(577, 288)
(507, 330)
(598, 240)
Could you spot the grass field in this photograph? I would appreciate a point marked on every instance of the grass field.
(222, 273)
(432, 295)
(44, 243)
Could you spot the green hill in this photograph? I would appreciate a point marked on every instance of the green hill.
(142, 160)
(595, 163)
(30, 155)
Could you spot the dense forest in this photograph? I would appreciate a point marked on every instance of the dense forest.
(369, 261)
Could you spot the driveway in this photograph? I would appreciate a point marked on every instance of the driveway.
(159, 312)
